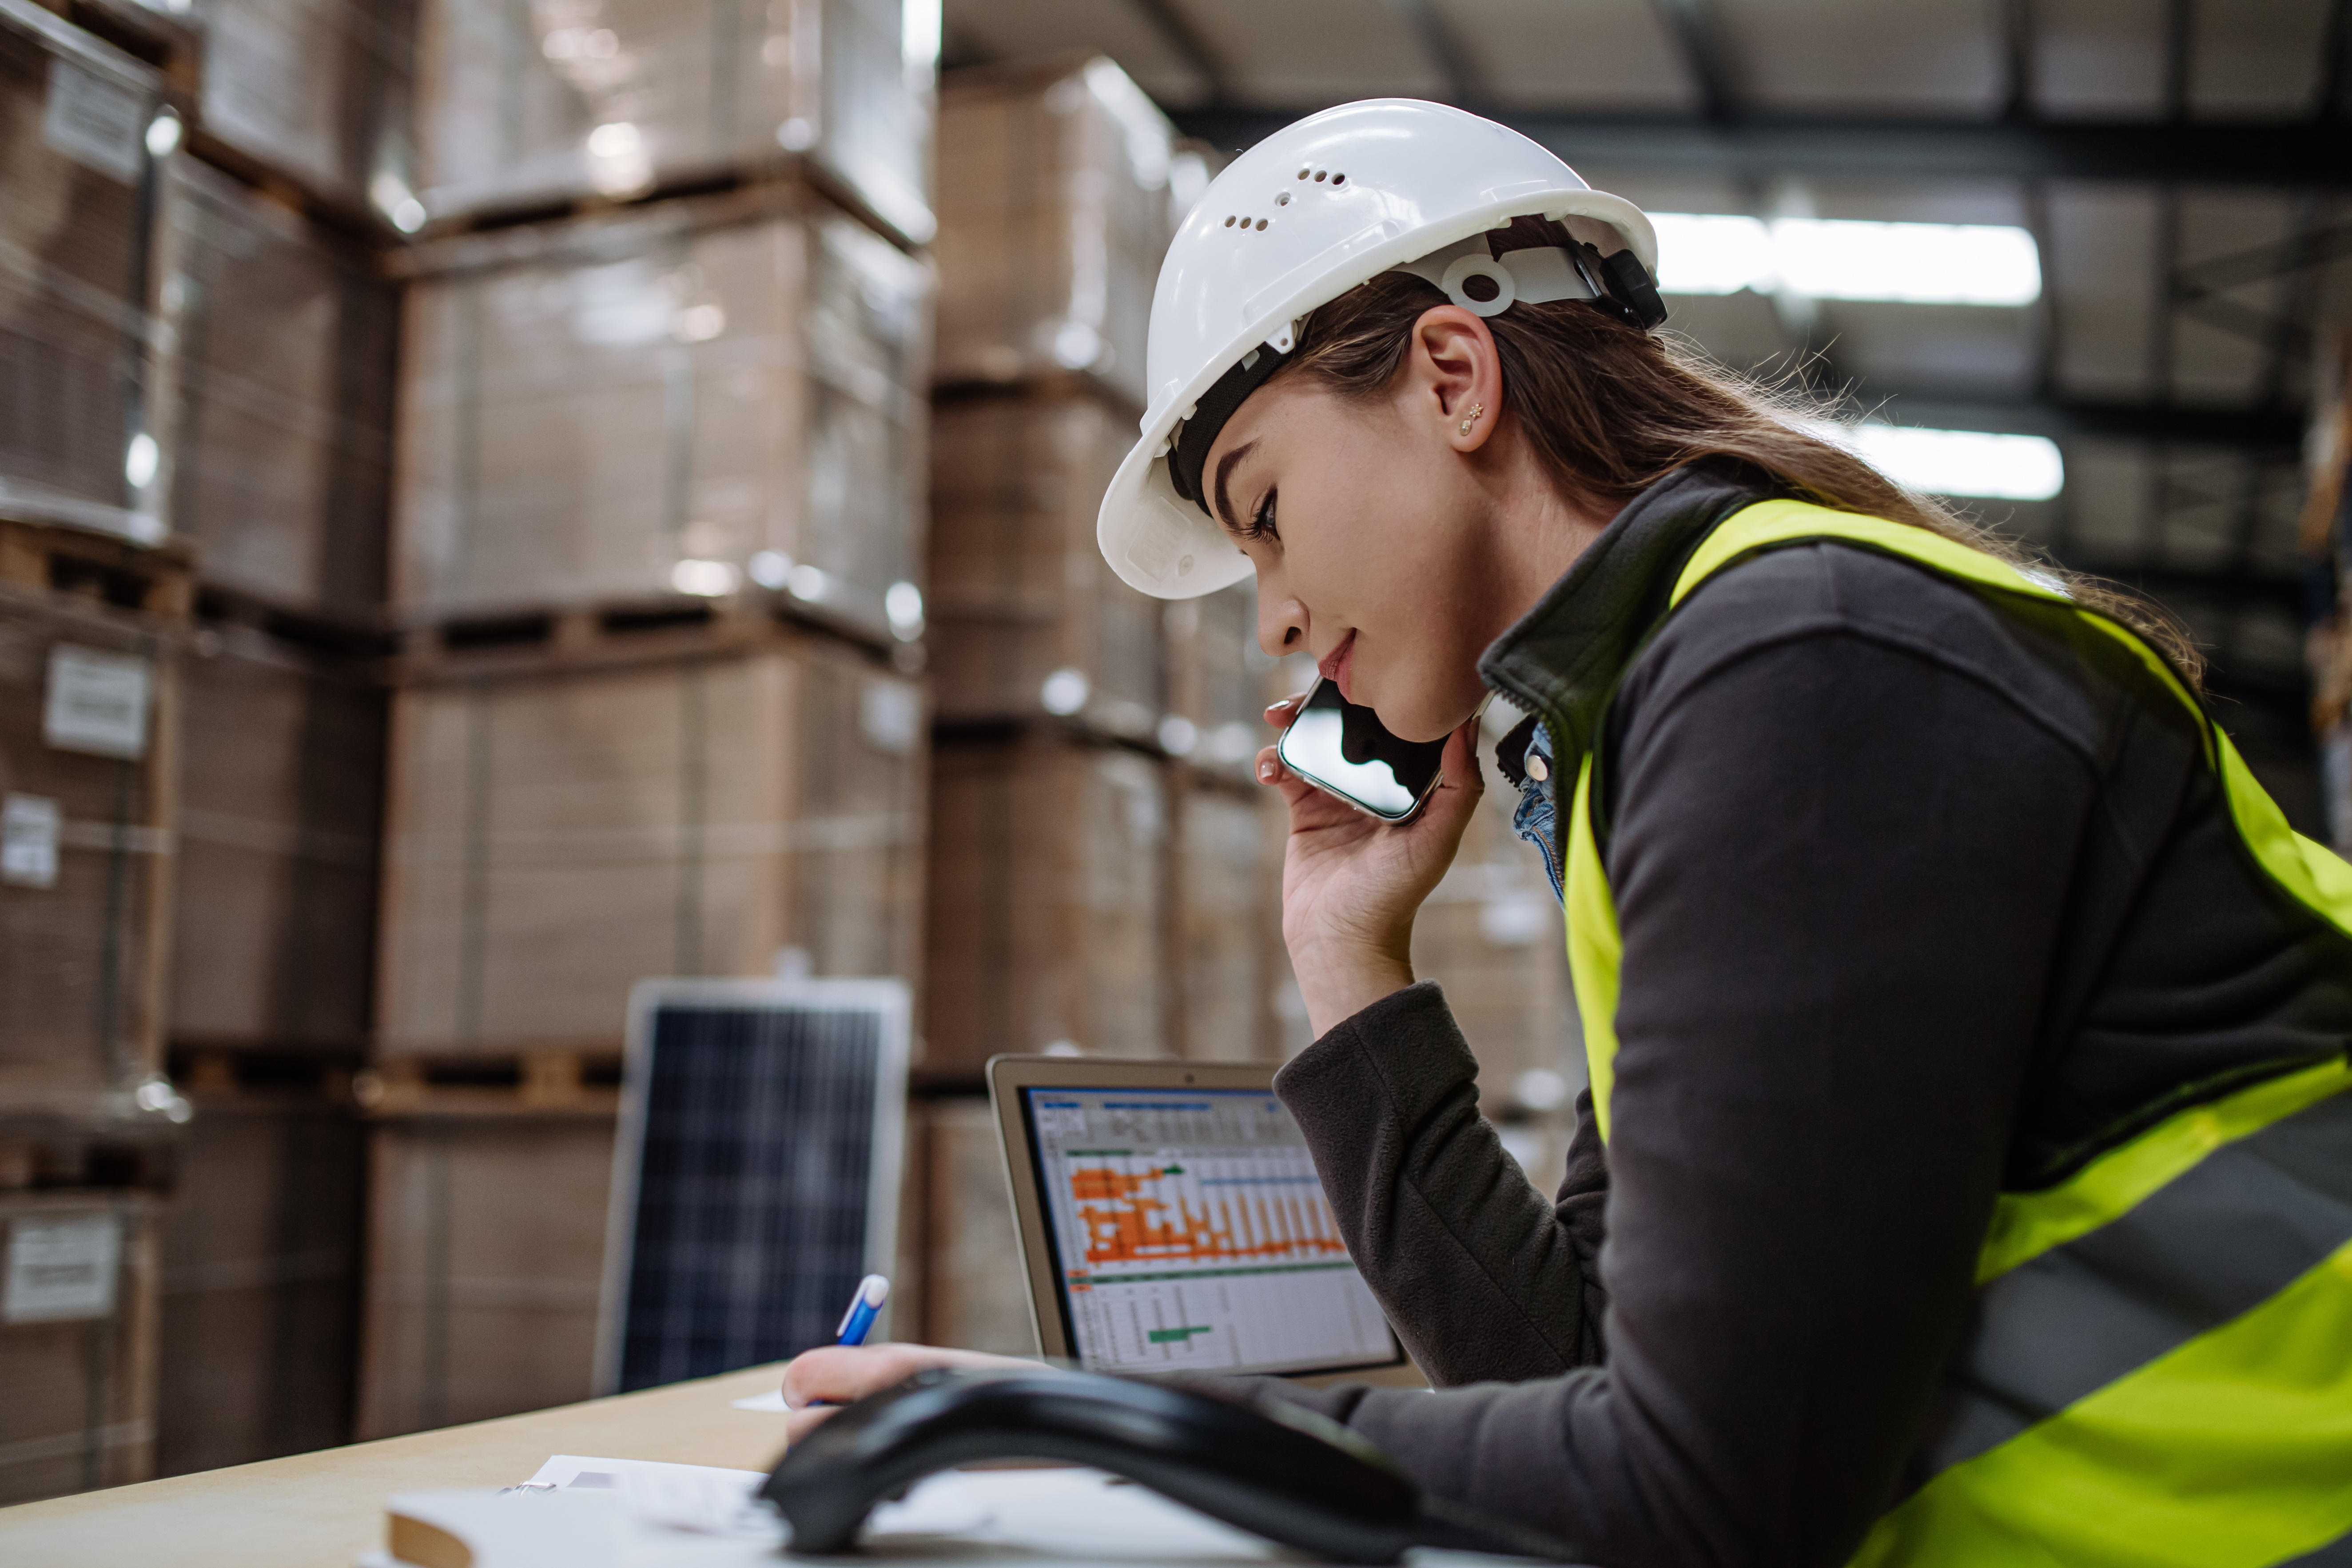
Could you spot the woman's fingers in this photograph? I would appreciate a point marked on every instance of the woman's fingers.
(817, 1381)
(1280, 714)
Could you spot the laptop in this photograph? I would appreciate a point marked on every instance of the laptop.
(1170, 1220)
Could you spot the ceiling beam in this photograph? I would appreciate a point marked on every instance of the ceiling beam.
(2286, 154)
(1691, 25)
(1462, 80)
(2170, 425)
(1176, 30)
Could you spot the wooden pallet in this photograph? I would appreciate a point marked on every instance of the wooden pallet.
(557, 1082)
(527, 641)
(99, 569)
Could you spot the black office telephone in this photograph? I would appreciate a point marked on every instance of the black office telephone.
(1294, 1477)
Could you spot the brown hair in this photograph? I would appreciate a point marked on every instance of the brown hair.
(1611, 410)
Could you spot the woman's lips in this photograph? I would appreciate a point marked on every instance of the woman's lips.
(1338, 664)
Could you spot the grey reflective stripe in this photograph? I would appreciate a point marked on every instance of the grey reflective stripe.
(2337, 1554)
(2222, 1238)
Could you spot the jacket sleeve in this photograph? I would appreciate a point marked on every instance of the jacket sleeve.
(1479, 1277)
(1838, 870)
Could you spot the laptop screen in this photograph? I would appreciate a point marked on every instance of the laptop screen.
(1189, 1234)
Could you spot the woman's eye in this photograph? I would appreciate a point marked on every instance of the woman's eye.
(1262, 524)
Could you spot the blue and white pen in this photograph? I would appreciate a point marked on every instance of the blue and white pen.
(864, 1308)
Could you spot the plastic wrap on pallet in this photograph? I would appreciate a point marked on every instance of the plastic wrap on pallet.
(554, 838)
(1058, 194)
(80, 442)
(260, 1278)
(281, 784)
(284, 422)
(1026, 619)
(85, 714)
(528, 104)
(77, 1342)
(641, 407)
(486, 1253)
(318, 90)
(1046, 903)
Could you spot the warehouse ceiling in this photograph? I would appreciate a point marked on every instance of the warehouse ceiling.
(2184, 168)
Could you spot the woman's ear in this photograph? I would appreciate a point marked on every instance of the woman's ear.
(1454, 376)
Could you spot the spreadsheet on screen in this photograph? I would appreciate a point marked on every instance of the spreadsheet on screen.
(1190, 1233)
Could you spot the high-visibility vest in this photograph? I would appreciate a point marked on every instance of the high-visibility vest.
(2161, 1364)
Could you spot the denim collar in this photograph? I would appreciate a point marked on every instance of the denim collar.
(1566, 655)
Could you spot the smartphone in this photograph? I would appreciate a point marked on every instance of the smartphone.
(1345, 750)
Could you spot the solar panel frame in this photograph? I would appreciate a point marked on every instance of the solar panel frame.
(884, 1001)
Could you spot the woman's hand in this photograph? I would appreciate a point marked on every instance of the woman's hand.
(1353, 883)
(843, 1374)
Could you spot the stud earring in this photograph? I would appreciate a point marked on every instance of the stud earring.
(1476, 411)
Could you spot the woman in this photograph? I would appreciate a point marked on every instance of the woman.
(1967, 1173)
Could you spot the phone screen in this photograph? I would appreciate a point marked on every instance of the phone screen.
(1344, 749)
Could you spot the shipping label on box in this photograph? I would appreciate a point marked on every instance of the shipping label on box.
(28, 841)
(93, 120)
(62, 1269)
(97, 702)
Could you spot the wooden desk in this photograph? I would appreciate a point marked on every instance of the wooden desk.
(321, 1509)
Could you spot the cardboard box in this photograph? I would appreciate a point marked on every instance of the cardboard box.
(88, 724)
(1059, 190)
(318, 90)
(281, 802)
(283, 463)
(525, 106)
(974, 1293)
(486, 1255)
(1492, 934)
(75, 335)
(689, 399)
(77, 1342)
(1219, 681)
(1026, 617)
(1047, 902)
(1229, 890)
(553, 838)
(260, 1278)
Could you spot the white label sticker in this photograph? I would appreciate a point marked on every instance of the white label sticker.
(97, 702)
(93, 120)
(28, 841)
(63, 1268)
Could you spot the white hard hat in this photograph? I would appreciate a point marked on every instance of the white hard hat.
(1298, 221)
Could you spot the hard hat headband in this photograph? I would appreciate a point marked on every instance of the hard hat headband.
(1617, 284)
(1198, 432)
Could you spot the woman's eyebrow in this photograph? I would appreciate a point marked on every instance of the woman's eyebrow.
(1225, 469)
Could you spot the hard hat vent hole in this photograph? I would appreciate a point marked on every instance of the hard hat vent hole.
(1283, 200)
(1480, 288)
(1339, 180)
(1261, 226)
(1302, 175)
(1229, 220)
(1321, 175)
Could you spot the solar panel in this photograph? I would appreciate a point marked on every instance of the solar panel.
(755, 1180)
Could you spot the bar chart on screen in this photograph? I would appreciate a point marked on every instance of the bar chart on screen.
(1193, 1231)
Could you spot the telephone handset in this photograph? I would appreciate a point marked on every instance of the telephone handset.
(1295, 1478)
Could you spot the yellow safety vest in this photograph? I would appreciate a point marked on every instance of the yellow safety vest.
(2161, 1367)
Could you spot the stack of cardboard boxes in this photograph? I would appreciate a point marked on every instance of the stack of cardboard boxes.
(1103, 872)
(656, 581)
(94, 613)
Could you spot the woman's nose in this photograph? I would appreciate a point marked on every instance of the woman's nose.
(1281, 626)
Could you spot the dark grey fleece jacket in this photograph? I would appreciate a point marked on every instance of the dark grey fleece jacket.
(1926, 893)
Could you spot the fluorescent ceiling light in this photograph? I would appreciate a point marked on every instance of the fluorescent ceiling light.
(1955, 462)
(1836, 258)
